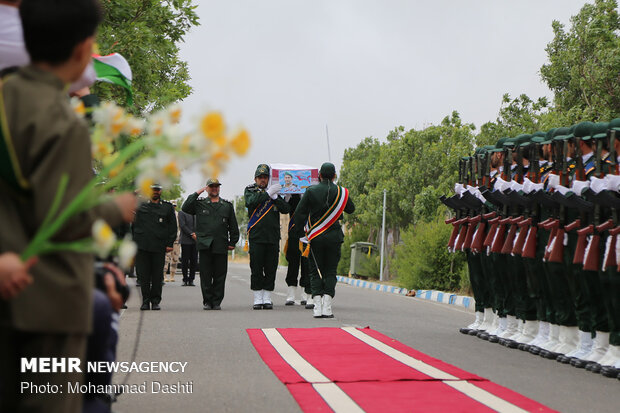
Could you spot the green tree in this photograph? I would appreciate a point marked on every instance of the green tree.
(584, 64)
(147, 33)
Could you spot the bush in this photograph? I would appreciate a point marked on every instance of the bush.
(371, 266)
(359, 233)
(423, 260)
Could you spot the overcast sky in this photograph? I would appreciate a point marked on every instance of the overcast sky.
(285, 69)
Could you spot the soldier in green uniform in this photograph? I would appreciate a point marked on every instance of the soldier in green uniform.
(264, 208)
(217, 232)
(53, 315)
(154, 231)
(321, 208)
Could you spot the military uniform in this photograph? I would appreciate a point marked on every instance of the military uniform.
(263, 237)
(216, 230)
(154, 229)
(54, 314)
(325, 248)
(295, 261)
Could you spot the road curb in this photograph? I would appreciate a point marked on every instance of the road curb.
(431, 295)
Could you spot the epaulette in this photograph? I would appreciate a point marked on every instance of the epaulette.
(252, 187)
(225, 200)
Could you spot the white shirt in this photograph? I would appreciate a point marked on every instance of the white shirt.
(12, 47)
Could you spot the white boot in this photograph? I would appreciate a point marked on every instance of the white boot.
(584, 347)
(477, 322)
(258, 300)
(267, 304)
(501, 326)
(304, 296)
(318, 307)
(327, 306)
(519, 330)
(569, 337)
(599, 347)
(541, 336)
(530, 329)
(488, 319)
(511, 326)
(290, 298)
(553, 339)
(611, 357)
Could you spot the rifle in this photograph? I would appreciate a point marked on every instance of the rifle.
(527, 247)
(554, 251)
(457, 220)
(591, 258)
(498, 239)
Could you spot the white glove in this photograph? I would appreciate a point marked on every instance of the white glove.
(499, 183)
(613, 182)
(554, 181)
(515, 186)
(527, 185)
(579, 186)
(273, 190)
(598, 184)
(562, 189)
(458, 189)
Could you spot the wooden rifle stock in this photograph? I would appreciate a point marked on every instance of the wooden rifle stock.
(591, 259)
(471, 229)
(492, 230)
(529, 248)
(610, 252)
(500, 236)
(557, 252)
(582, 242)
(462, 232)
(455, 232)
(550, 225)
(510, 238)
(523, 231)
(612, 259)
(477, 244)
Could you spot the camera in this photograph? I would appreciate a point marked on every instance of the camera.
(100, 272)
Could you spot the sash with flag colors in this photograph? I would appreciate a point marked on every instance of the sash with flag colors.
(258, 214)
(327, 220)
(10, 171)
(114, 69)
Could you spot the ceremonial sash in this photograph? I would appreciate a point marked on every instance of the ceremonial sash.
(291, 224)
(10, 172)
(328, 219)
(258, 214)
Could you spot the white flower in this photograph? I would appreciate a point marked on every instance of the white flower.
(127, 252)
(103, 237)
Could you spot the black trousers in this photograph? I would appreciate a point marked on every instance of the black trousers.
(150, 270)
(213, 269)
(295, 263)
(189, 257)
(326, 255)
(263, 266)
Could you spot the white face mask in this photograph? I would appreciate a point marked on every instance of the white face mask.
(86, 80)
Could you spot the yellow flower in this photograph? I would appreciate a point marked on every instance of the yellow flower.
(212, 125)
(241, 142)
(78, 107)
(220, 156)
(171, 169)
(104, 238)
(145, 187)
(127, 252)
(102, 149)
(175, 114)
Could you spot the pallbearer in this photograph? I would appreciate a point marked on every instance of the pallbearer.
(319, 211)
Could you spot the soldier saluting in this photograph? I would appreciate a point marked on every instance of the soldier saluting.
(264, 208)
(217, 232)
(154, 230)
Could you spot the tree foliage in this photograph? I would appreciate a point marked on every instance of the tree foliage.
(584, 64)
(147, 33)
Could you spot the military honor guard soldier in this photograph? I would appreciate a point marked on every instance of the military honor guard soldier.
(154, 231)
(217, 233)
(319, 210)
(263, 232)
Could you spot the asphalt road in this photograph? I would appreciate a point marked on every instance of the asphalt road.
(228, 375)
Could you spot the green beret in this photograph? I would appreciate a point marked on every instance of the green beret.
(583, 130)
(599, 130)
(262, 169)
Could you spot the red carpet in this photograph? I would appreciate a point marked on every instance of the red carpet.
(347, 370)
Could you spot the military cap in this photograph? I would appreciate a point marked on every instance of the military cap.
(328, 169)
(288, 173)
(539, 133)
(213, 181)
(615, 124)
(561, 133)
(479, 150)
(262, 169)
(522, 139)
(156, 187)
(571, 132)
(489, 148)
(499, 145)
(599, 130)
(540, 140)
(583, 130)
